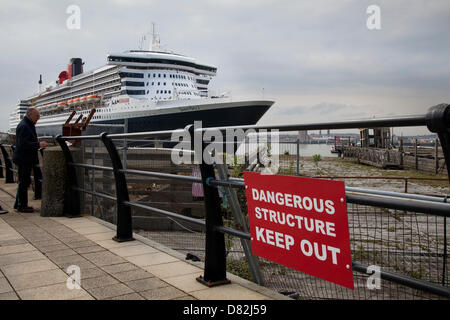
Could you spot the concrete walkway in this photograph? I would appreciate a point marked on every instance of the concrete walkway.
(36, 252)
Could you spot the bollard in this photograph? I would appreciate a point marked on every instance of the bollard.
(54, 182)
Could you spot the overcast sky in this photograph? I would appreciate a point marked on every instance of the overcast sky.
(316, 59)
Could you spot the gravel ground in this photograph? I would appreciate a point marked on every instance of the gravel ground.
(401, 242)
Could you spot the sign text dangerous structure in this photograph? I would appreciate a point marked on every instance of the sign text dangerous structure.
(300, 223)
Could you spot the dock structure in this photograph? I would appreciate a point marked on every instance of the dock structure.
(36, 255)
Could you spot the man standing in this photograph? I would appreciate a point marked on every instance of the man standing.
(26, 156)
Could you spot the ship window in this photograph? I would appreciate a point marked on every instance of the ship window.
(165, 91)
(157, 91)
(164, 83)
(170, 91)
(131, 75)
(154, 75)
(153, 83)
(159, 75)
(133, 83)
(134, 92)
(164, 75)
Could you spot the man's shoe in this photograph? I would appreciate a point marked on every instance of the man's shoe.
(26, 210)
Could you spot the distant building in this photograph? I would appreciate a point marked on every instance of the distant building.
(376, 137)
(304, 137)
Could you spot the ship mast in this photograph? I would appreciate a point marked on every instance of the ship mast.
(154, 40)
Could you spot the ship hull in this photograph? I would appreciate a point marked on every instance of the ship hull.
(224, 116)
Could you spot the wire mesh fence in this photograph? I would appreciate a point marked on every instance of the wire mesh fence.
(405, 243)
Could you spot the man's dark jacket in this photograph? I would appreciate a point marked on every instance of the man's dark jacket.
(27, 144)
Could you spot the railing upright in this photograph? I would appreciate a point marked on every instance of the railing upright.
(215, 270)
(1, 169)
(72, 196)
(9, 176)
(438, 121)
(124, 219)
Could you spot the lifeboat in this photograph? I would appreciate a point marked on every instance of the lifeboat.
(76, 101)
(60, 105)
(93, 98)
(70, 102)
(83, 99)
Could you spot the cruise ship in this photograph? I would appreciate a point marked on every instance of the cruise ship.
(142, 90)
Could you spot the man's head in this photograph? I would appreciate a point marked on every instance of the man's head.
(33, 114)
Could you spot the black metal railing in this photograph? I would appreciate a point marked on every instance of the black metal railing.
(437, 120)
(7, 151)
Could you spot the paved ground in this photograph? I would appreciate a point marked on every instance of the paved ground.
(37, 254)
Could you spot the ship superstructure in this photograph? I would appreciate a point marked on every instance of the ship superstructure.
(151, 89)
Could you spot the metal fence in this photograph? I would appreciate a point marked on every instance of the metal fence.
(404, 235)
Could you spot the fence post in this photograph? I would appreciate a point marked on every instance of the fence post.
(37, 175)
(240, 223)
(93, 176)
(438, 121)
(215, 271)
(416, 160)
(9, 176)
(436, 154)
(72, 196)
(400, 150)
(298, 157)
(215, 255)
(124, 219)
(1, 169)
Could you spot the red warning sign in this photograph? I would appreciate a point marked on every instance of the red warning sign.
(300, 223)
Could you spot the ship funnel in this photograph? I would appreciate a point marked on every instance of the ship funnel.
(76, 66)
